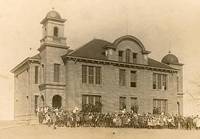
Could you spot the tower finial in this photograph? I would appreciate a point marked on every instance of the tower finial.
(53, 8)
(169, 51)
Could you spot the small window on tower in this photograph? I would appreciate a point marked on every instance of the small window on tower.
(55, 31)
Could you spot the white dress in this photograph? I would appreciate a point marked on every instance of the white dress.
(198, 122)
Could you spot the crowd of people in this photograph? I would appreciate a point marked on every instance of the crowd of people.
(60, 118)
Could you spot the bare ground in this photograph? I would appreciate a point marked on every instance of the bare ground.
(44, 132)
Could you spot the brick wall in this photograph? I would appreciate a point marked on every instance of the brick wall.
(111, 91)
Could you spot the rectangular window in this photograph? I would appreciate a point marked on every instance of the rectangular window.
(122, 77)
(36, 74)
(164, 82)
(134, 104)
(84, 74)
(120, 54)
(154, 81)
(159, 106)
(128, 52)
(56, 72)
(91, 74)
(159, 81)
(42, 74)
(84, 99)
(91, 103)
(177, 82)
(135, 58)
(97, 99)
(134, 101)
(122, 103)
(98, 75)
(36, 103)
(91, 99)
(133, 79)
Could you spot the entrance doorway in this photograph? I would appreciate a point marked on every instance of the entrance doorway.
(57, 101)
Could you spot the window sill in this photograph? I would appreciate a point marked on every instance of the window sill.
(122, 86)
(159, 90)
(91, 85)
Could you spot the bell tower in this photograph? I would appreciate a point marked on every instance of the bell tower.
(53, 30)
(53, 46)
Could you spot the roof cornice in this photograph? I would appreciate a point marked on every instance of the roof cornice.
(52, 19)
(117, 63)
(25, 61)
(44, 45)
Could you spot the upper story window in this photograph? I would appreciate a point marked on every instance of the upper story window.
(128, 52)
(164, 82)
(84, 74)
(133, 79)
(177, 82)
(159, 81)
(36, 74)
(56, 72)
(55, 31)
(42, 73)
(122, 77)
(134, 57)
(91, 74)
(120, 55)
(98, 75)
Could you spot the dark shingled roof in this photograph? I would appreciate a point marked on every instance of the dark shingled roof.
(170, 59)
(95, 49)
(154, 63)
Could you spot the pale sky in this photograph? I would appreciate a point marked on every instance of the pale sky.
(161, 25)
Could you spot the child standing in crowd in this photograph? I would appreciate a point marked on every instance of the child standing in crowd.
(58, 118)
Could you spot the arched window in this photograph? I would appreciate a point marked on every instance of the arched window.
(128, 52)
(56, 101)
(55, 31)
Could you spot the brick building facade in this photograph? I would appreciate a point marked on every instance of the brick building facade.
(114, 76)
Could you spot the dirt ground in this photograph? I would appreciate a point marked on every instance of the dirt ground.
(44, 132)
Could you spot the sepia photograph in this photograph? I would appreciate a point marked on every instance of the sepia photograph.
(100, 69)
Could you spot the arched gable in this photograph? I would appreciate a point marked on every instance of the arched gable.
(131, 38)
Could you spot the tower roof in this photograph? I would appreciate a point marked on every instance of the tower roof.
(170, 59)
(54, 16)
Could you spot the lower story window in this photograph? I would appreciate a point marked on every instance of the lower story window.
(36, 103)
(91, 103)
(134, 105)
(122, 103)
(159, 106)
